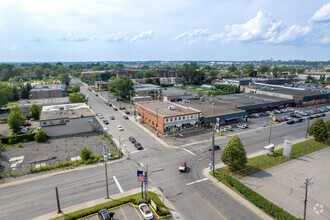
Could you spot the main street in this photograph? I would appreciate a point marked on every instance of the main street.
(191, 193)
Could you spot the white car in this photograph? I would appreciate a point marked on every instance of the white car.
(120, 128)
(146, 212)
(100, 116)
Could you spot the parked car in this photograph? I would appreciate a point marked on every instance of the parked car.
(120, 128)
(138, 145)
(230, 128)
(127, 112)
(146, 212)
(286, 118)
(322, 115)
(100, 116)
(110, 105)
(27, 124)
(216, 147)
(298, 120)
(132, 139)
(115, 109)
(182, 167)
(282, 119)
(103, 214)
(277, 112)
(125, 117)
(290, 121)
(105, 121)
(96, 94)
(112, 117)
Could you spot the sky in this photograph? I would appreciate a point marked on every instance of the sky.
(139, 30)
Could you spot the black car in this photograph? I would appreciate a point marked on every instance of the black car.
(112, 117)
(115, 109)
(104, 214)
(132, 139)
(298, 120)
(105, 121)
(216, 147)
(322, 115)
(125, 117)
(138, 145)
(127, 112)
(110, 105)
(290, 121)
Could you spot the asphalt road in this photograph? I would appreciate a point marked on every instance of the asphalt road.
(192, 195)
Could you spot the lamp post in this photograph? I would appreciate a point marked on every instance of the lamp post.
(148, 175)
(270, 131)
(305, 186)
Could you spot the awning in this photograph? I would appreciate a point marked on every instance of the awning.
(180, 123)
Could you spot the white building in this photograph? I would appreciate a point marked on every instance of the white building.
(58, 120)
(26, 104)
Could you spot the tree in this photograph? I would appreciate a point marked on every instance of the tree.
(38, 71)
(264, 69)
(6, 93)
(40, 136)
(250, 69)
(106, 76)
(327, 125)
(192, 73)
(15, 94)
(319, 130)
(121, 86)
(149, 74)
(85, 153)
(35, 111)
(232, 68)
(28, 87)
(75, 88)
(139, 75)
(64, 78)
(77, 97)
(234, 155)
(15, 119)
(24, 93)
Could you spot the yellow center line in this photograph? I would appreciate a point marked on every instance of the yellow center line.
(207, 203)
(50, 191)
(123, 212)
(137, 213)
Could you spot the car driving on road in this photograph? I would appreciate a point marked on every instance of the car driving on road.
(105, 121)
(216, 147)
(120, 128)
(138, 145)
(132, 139)
(182, 167)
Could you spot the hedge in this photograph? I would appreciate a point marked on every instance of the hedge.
(258, 200)
(14, 139)
(135, 199)
(3, 120)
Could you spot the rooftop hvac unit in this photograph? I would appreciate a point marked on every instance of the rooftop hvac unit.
(171, 107)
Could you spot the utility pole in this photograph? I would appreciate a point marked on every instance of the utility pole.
(105, 168)
(146, 184)
(270, 131)
(213, 158)
(118, 147)
(305, 186)
(58, 201)
(307, 127)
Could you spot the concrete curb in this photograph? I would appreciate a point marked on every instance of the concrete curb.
(88, 204)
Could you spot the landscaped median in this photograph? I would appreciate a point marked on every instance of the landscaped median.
(231, 179)
(162, 210)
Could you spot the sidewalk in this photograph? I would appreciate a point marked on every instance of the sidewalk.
(236, 196)
(88, 204)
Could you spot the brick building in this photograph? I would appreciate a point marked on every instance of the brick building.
(167, 115)
(100, 85)
(128, 73)
(154, 91)
(48, 91)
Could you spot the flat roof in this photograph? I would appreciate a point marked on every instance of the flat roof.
(164, 110)
(76, 110)
(145, 87)
(177, 92)
(293, 92)
(48, 88)
(42, 102)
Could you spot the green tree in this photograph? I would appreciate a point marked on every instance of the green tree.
(24, 93)
(75, 88)
(77, 97)
(38, 71)
(95, 77)
(85, 153)
(28, 87)
(121, 86)
(40, 136)
(327, 125)
(139, 75)
(232, 68)
(6, 93)
(15, 94)
(264, 69)
(250, 69)
(319, 130)
(149, 74)
(35, 111)
(234, 154)
(64, 78)
(15, 119)
(192, 73)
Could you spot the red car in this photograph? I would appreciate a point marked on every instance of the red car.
(282, 119)
(27, 124)
(182, 167)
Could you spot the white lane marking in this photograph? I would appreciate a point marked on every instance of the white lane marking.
(4, 215)
(141, 164)
(189, 151)
(137, 151)
(118, 185)
(197, 181)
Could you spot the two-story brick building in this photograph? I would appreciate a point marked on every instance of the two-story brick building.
(48, 91)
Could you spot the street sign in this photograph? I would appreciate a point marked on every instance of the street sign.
(218, 120)
(142, 176)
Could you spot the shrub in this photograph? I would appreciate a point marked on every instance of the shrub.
(85, 154)
(14, 139)
(40, 136)
(260, 201)
(19, 144)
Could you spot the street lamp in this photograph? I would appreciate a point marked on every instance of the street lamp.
(105, 156)
(213, 127)
(148, 175)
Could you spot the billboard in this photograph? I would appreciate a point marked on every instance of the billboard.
(287, 148)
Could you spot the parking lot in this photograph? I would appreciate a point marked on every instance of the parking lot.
(127, 212)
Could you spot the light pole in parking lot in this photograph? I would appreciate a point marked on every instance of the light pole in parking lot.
(213, 127)
(308, 119)
(270, 131)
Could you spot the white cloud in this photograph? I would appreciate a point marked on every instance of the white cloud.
(74, 38)
(290, 34)
(193, 36)
(142, 36)
(216, 36)
(326, 39)
(119, 36)
(322, 15)
(262, 27)
(12, 47)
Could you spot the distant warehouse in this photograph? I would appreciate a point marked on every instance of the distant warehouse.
(48, 91)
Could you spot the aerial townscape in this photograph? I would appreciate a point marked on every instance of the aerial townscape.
(216, 110)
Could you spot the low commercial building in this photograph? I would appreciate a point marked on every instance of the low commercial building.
(154, 91)
(87, 74)
(141, 99)
(173, 94)
(58, 120)
(48, 91)
(100, 85)
(166, 115)
(26, 104)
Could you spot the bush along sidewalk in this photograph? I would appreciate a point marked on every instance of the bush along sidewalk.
(162, 210)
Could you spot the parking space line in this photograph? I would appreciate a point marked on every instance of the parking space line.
(137, 213)
(118, 185)
(207, 203)
(123, 212)
(188, 151)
